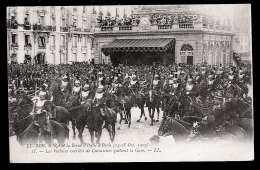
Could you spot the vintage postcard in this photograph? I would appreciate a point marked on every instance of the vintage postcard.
(133, 83)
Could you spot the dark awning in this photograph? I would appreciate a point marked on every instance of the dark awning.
(139, 45)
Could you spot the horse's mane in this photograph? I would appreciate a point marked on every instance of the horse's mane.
(26, 98)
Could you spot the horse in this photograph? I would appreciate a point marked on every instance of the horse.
(137, 100)
(77, 115)
(121, 104)
(169, 126)
(94, 122)
(27, 131)
(153, 102)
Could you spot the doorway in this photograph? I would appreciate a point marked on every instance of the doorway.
(190, 60)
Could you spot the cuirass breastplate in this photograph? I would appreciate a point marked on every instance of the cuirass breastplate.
(76, 89)
(189, 87)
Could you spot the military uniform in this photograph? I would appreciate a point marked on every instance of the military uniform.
(76, 91)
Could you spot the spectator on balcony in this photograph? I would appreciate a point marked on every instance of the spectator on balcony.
(14, 23)
(26, 22)
(38, 25)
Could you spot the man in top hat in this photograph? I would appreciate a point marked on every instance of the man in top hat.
(76, 91)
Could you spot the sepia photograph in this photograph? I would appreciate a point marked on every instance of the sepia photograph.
(130, 83)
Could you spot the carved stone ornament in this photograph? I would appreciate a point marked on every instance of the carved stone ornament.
(145, 23)
(75, 11)
(41, 11)
(27, 10)
(63, 13)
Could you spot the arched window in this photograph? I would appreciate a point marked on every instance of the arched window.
(186, 54)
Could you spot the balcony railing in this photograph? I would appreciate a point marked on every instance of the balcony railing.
(74, 46)
(124, 28)
(87, 30)
(27, 27)
(63, 29)
(223, 28)
(42, 47)
(62, 46)
(186, 26)
(211, 26)
(27, 46)
(14, 26)
(164, 26)
(54, 28)
(48, 28)
(14, 45)
(38, 27)
(83, 46)
(217, 27)
(77, 29)
(107, 28)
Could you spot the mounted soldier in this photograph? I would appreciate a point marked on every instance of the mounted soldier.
(191, 89)
(66, 87)
(42, 114)
(76, 91)
(134, 87)
(157, 85)
(100, 98)
(86, 93)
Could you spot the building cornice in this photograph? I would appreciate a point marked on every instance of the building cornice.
(118, 34)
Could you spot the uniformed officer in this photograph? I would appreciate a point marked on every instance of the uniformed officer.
(39, 113)
(191, 89)
(86, 93)
(76, 89)
(100, 99)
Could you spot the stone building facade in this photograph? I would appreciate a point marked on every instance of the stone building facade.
(78, 33)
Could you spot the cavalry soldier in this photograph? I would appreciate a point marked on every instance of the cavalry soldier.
(167, 89)
(134, 86)
(76, 89)
(100, 77)
(86, 93)
(211, 84)
(41, 113)
(203, 72)
(156, 85)
(191, 89)
(115, 85)
(66, 87)
(100, 98)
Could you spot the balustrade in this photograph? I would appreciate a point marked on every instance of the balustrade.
(186, 26)
(123, 28)
(164, 26)
(107, 28)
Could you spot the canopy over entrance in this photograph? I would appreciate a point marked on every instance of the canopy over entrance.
(121, 50)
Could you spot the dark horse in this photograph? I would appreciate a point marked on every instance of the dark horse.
(25, 129)
(77, 115)
(121, 104)
(56, 93)
(94, 121)
(153, 102)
